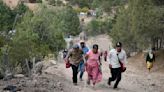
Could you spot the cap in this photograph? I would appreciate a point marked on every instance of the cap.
(118, 44)
(76, 46)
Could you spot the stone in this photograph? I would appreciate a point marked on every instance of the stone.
(152, 84)
(19, 76)
(8, 76)
(38, 68)
(53, 62)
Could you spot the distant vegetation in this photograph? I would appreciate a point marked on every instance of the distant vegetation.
(140, 25)
(27, 35)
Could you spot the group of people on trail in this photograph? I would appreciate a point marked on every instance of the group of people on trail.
(80, 58)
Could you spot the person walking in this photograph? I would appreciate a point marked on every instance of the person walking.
(93, 66)
(74, 57)
(85, 49)
(150, 59)
(117, 57)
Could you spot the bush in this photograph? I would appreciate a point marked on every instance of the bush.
(78, 10)
(85, 9)
(55, 2)
(68, 21)
(97, 26)
(38, 1)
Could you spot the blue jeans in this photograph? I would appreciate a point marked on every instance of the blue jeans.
(81, 69)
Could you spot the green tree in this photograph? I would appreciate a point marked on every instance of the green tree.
(8, 21)
(21, 9)
(82, 3)
(99, 26)
(68, 21)
(55, 2)
(139, 23)
(107, 5)
(158, 2)
(36, 36)
(6, 17)
(96, 3)
(38, 1)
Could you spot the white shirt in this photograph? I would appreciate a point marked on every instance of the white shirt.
(113, 58)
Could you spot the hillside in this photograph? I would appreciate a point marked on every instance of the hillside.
(13, 3)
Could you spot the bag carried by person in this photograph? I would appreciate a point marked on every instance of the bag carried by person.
(67, 64)
(123, 69)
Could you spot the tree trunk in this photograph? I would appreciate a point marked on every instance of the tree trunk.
(5, 67)
(33, 63)
(162, 40)
(157, 43)
(160, 43)
(28, 68)
(154, 43)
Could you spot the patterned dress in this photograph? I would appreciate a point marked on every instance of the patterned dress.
(92, 67)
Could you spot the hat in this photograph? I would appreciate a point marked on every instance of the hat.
(82, 41)
(118, 44)
(76, 46)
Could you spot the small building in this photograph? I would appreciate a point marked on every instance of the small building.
(92, 13)
(83, 14)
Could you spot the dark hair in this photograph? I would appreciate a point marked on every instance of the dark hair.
(153, 49)
(95, 46)
(82, 43)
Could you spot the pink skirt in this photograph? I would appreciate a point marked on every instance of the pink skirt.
(94, 72)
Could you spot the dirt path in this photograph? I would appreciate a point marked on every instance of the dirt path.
(135, 79)
(132, 81)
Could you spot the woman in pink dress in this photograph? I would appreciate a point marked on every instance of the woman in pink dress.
(93, 65)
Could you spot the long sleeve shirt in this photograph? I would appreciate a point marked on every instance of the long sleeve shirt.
(149, 59)
(75, 56)
(113, 58)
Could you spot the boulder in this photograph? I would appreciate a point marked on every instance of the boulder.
(38, 68)
(19, 76)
